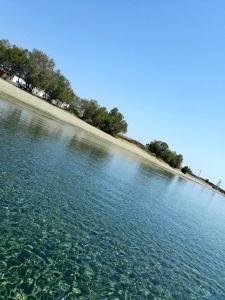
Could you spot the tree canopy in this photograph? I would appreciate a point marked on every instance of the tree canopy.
(186, 170)
(111, 122)
(161, 150)
(38, 71)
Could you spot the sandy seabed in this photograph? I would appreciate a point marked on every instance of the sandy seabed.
(13, 93)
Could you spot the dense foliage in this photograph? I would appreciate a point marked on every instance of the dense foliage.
(186, 170)
(161, 150)
(38, 71)
(111, 122)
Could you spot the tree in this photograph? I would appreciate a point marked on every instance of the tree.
(115, 122)
(13, 59)
(38, 71)
(176, 160)
(100, 117)
(111, 122)
(4, 45)
(90, 108)
(167, 156)
(58, 87)
(161, 150)
(158, 147)
(186, 170)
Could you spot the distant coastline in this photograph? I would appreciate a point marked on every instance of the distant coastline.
(13, 93)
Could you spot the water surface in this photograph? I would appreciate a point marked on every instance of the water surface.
(83, 219)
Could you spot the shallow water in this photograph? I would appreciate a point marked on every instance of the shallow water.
(83, 219)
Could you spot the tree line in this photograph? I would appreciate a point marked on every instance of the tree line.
(162, 151)
(38, 71)
(111, 122)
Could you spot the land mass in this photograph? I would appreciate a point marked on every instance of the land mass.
(13, 93)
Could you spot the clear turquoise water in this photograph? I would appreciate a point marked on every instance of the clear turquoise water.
(82, 219)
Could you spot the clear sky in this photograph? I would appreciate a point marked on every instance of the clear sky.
(162, 63)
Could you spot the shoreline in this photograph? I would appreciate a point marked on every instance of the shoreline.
(8, 90)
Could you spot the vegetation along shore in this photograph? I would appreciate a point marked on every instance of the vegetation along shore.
(34, 74)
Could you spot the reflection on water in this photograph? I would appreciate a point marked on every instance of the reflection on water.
(82, 219)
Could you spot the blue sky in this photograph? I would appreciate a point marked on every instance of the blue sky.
(162, 63)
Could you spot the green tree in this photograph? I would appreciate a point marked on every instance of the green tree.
(111, 122)
(186, 170)
(58, 87)
(13, 59)
(115, 122)
(38, 71)
(4, 45)
(176, 160)
(90, 108)
(161, 150)
(158, 147)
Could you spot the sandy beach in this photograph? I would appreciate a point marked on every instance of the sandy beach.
(11, 92)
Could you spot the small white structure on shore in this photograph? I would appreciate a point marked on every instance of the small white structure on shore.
(65, 105)
(21, 83)
(60, 104)
(18, 81)
(39, 93)
(54, 102)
